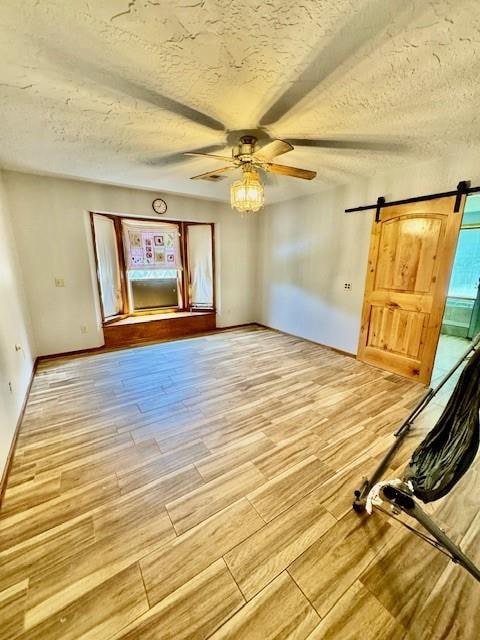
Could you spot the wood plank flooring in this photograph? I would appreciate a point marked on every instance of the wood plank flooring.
(202, 489)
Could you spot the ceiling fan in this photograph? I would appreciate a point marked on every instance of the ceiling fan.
(247, 155)
(247, 194)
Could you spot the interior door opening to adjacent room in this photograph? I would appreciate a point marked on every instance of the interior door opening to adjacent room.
(461, 318)
(412, 248)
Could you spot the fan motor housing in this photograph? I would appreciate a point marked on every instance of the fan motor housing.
(246, 148)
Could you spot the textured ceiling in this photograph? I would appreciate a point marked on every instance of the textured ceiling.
(116, 90)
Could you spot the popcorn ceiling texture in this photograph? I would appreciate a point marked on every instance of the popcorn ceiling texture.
(115, 91)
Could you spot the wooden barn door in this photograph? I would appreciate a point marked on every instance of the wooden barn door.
(412, 249)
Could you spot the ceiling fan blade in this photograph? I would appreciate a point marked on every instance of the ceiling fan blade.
(294, 172)
(209, 155)
(272, 150)
(211, 174)
(359, 145)
(179, 156)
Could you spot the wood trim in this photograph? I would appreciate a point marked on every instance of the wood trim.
(126, 287)
(185, 270)
(319, 344)
(153, 312)
(168, 328)
(112, 319)
(121, 263)
(66, 354)
(94, 241)
(242, 325)
(13, 444)
(123, 216)
(214, 268)
(182, 229)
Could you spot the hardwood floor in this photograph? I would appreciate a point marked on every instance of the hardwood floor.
(202, 489)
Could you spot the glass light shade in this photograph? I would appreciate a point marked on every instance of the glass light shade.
(246, 195)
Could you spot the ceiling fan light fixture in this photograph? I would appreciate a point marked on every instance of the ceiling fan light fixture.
(247, 195)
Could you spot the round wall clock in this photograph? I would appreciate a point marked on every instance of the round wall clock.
(159, 205)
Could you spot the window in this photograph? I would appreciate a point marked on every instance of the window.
(149, 290)
(466, 267)
(153, 264)
(462, 308)
(144, 266)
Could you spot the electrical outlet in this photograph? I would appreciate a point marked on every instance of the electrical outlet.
(83, 328)
(348, 286)
(59, 282)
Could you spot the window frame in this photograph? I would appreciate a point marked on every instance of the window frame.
(472, 226)
(184, 274)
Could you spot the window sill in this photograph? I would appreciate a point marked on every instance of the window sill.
(154, 317)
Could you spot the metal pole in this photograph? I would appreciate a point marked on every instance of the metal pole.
(405, 502)
(360, 495)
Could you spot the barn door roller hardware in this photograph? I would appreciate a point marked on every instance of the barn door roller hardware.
(380, 204)
(463, 189)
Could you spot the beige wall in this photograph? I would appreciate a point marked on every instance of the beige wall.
(15, 365)
(52, 233)
(309, 248)
(285, 267)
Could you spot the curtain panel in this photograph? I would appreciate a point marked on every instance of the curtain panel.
(200, 265)
(108, 267)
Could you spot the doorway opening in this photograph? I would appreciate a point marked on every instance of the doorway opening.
(461, 318)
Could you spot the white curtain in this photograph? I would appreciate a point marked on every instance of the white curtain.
(108, 267)
(200, 265)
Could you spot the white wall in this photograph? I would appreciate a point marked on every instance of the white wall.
(308, 249)
(52, 231)
(15, 366)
